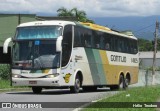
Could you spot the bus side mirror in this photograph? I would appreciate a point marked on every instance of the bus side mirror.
(6, 44)
(59, 44)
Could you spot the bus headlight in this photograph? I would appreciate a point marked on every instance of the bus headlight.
(52, 75)
(16, 75)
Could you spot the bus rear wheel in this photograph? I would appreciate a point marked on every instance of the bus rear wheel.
(127, 81)
(121, 85)
(76, 87)
(36, 90)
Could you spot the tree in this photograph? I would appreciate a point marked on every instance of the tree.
(79, 14)
(145, 45)
(63, 12)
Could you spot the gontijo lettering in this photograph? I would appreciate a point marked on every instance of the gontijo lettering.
(117, 58)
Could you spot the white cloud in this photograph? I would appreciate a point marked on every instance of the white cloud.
(93, 8)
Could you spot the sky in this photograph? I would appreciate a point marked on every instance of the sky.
(93, 8)
(117, 14)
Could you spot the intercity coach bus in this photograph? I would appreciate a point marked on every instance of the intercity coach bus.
(67, 54)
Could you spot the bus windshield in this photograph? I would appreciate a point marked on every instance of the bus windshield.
(34, 32)
(35, 54)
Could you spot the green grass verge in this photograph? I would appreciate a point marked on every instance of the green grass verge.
(138, 94)
(5, 84)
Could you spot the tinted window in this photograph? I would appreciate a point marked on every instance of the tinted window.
(96, 39)
(66, 44)
(78, 35)
(100, 40)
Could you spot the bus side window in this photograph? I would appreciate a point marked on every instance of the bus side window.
(96, 39)
(77, 38)
(86, 38)
(66, 44)
(86, 43)
(128, 48)
(135, 49)
(107, 46)
(102, 44)
(107, 42)
(132, 46)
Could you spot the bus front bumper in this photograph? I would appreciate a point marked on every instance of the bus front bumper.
(35, 82)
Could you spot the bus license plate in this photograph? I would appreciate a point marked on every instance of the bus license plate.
(32, 82)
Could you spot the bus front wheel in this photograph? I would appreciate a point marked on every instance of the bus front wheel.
(77, 84)
(36, 90)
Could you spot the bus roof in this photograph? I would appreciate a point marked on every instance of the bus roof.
(87, 25)
(46, 23)
(106, 29)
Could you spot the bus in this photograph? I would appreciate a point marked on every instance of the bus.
(70, 54)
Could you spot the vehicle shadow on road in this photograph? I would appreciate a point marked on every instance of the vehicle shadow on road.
(56, 92)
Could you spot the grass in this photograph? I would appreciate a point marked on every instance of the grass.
(139, 94)
(5, 84)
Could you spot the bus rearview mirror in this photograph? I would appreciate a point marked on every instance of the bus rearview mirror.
(59, 44)
(6, 44)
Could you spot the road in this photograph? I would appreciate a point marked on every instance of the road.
(54, 95)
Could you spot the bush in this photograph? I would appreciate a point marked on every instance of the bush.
(4, 71)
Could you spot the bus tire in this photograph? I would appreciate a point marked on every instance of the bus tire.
(89, 88)
(120, 86)
(122, 83)
(126, 82)
(76, 87)
(36, 90)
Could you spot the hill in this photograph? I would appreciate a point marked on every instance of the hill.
(142, 27)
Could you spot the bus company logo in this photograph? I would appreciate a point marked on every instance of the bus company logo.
(6, 105)
(67, 77)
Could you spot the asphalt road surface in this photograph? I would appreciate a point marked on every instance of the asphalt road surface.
(54, 95)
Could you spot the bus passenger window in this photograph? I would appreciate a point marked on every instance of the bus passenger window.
(102, 42)
(107, 47)
(86, 44)
(97, 46)
(76, 37)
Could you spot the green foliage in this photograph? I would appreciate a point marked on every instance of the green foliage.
(147, 45)
(4, 71)
(79, 14)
